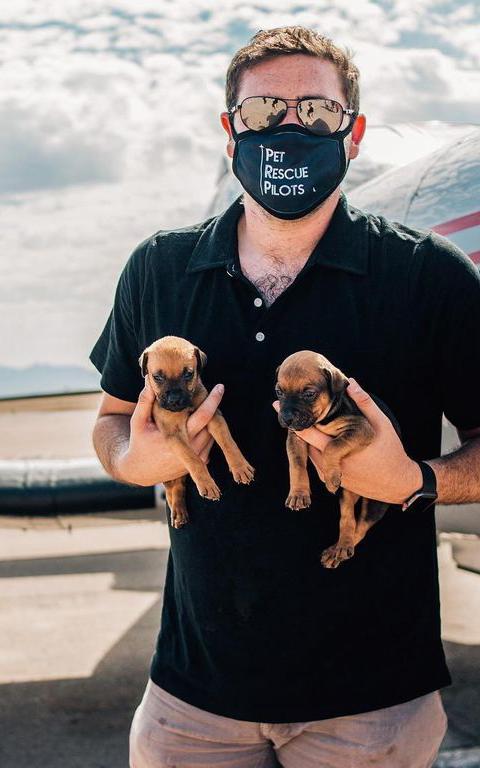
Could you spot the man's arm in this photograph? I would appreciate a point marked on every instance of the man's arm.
(458, 472)
(131, 448)
(111, 433)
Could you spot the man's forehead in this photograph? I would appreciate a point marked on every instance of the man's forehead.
(309, 95)
(292, 77)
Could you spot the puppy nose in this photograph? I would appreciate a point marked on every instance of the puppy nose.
(288, 415)
(174, 397)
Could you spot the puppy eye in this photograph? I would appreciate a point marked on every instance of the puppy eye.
(188, 375)
(309, 394)
(278, 391)
(159, 377)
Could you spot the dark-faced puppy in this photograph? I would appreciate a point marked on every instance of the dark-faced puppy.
(311, 392)
(173, 367)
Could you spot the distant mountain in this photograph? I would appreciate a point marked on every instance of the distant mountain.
(44, 379)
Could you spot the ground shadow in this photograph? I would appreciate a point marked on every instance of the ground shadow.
(84, 722)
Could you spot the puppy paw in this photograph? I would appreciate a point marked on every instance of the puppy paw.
(178, 516)
(333, 480)
(336, 554)
(298, 499)
(243, 473)
(209, 490)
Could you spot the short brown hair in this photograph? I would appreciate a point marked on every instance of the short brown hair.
(267, 44)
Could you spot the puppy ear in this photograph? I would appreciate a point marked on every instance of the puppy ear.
(201, 358)
(143, 360)
(337, 382)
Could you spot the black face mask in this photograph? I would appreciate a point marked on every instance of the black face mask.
(289, 170)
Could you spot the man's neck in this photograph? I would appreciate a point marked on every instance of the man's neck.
(273, 251)
(262, 235)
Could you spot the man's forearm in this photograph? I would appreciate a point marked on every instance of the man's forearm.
(111, 436)
(458, 474)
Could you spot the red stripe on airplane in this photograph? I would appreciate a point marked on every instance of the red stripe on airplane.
(456, 225)
(475, 257)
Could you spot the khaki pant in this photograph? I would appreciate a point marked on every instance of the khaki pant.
(167, 731)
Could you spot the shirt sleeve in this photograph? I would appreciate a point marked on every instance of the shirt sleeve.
(116, 351)
(458, 338)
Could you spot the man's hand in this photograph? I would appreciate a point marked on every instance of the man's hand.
(382, 470)
(148, 459)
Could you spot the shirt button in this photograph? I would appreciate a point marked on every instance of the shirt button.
(258, 302)
(259, 336)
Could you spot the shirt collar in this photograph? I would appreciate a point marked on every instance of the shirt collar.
(344, 244)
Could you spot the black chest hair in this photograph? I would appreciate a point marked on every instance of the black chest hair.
(272, 284)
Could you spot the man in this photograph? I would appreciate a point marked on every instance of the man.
(263, 655)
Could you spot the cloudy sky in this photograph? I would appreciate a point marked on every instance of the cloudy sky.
(92, 160)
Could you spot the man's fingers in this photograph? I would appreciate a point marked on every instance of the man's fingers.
(205, 411)
(316, 457)
(204, 455)
(314, 436)
(201, 441)
(366, 404)
(143, 409)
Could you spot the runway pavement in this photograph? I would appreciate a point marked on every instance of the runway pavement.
(80, 605)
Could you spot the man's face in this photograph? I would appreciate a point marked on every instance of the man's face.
(291, 77)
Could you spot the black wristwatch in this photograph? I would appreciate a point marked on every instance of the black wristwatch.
(427, 494)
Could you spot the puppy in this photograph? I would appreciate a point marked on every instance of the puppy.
(312, 391)
(173, 367)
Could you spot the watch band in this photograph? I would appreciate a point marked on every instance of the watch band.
(429, 478)
(426, 495)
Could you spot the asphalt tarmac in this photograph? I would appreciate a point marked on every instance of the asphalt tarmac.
(80, 602)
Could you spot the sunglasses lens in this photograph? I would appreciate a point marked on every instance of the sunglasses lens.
(322, 116)
(259, 112)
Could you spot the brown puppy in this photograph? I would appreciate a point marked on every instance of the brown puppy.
(312, 391)
(173, 367)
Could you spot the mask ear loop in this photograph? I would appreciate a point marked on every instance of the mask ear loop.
(234, 131)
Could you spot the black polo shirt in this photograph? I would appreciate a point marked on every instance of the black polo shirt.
(252, 626)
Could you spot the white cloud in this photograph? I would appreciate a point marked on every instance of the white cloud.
(421, 84)
(124, 98)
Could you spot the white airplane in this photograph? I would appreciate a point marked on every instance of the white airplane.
(440, 191)
(425, 175)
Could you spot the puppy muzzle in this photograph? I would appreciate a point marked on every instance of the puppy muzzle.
(175, 401)
(294, 419)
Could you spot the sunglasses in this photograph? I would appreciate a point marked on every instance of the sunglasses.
(319, 115)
